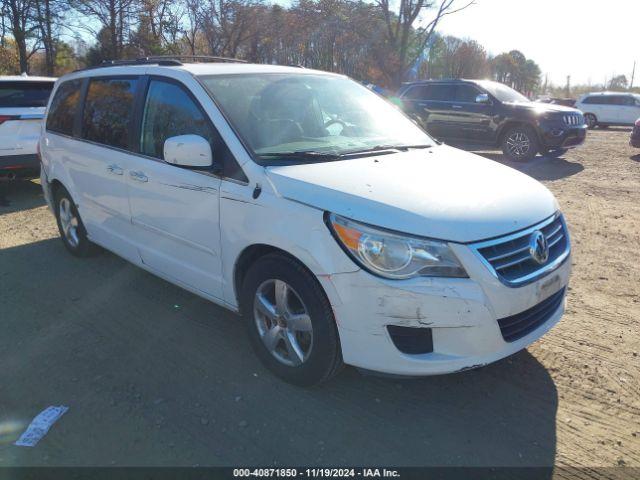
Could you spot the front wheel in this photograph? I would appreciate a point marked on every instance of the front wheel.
(290, 321)
(70, 226)
(520, 144)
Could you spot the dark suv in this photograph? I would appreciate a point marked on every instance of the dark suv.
(479, 113)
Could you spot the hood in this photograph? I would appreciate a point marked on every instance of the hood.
(442, 193)
(539, 107)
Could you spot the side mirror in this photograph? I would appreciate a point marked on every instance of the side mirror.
(483, 98)
(188, 151)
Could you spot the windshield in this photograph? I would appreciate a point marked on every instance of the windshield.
(24, 94)
(298, 114)
(502, 92)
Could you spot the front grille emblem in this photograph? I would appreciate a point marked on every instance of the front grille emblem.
(538, 247)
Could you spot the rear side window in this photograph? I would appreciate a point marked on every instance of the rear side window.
(24, 94)
(169, 111)
(62, 111)
(108, 111)
(417, 92)
(442, 93)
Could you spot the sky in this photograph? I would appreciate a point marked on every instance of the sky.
(591, 40)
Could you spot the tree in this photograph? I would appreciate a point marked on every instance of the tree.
(20, 15)
(406, 41)
(48, 14)
(619, 82)
(114, 18)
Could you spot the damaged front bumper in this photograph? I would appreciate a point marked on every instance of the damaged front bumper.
(462, 315)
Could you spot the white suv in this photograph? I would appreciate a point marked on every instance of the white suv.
(609, 108)
(22, 103)
(313, 207)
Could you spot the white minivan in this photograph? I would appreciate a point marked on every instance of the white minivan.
(300, 199)
(609, 108)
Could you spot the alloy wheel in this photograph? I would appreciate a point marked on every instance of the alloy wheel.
(518, 144)
(69, 222)
(283, 322)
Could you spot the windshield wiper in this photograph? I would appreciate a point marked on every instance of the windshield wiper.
(380, 148)
(302, 154)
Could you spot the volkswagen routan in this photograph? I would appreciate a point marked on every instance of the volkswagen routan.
(337, 228)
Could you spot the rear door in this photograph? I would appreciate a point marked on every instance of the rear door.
(609, 109)
(98, 163)
(175, 210)
(433, 103)
(22, 105)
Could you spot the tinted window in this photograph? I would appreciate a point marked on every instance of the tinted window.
(442, 92)
(417, 92)
(25, 94)
(169, 111)
(108, 111)
(466, 93)
(62, 111)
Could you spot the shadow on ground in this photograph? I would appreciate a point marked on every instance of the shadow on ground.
(21, 194)
(635, 158)
(154, 375)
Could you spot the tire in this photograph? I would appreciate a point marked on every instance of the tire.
(555, 153)
(591, 120)
(307, 354)
(520, 143)
(70, 226)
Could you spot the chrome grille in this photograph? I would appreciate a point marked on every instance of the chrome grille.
(510, 260)
(573, 119)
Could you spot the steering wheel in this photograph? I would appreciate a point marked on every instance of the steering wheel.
(330, 122)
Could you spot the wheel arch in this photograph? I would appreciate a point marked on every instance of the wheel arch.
(252, 254)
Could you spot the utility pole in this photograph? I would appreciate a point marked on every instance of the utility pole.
(568, 86)
(633, 75)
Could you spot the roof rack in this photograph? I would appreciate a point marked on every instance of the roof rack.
(163, 60)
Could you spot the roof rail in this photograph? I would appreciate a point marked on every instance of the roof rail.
(162, 60)
(200, 58)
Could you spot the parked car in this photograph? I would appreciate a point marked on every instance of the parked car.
(22, 103)
(302, 200)
(609, 108)
(634, 141)
(484, 114)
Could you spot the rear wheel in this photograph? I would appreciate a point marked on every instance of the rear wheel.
(591, 120)
(70, 226)
(520, 143)
(290, 321)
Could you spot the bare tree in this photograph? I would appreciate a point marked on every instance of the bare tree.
(407, 39)
(114, 18)
(20, 16)
(48, 14)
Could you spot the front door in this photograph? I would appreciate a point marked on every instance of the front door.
(469, 121)
(175, 210)
(629, 111)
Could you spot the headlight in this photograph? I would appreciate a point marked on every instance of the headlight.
(393, 255)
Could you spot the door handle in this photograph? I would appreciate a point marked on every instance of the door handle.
(115, 169)
(138, 176)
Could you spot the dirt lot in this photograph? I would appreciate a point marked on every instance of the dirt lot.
(156, 376)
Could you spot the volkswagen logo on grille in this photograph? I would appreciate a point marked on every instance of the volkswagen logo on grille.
(538, 247)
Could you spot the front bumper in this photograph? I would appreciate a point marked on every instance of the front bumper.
(562, 136)
(461, 313)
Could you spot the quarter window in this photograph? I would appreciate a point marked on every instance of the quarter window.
(169, 111)
(108, 111)
(62, 111)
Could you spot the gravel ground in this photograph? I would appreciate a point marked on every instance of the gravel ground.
(156, 376)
